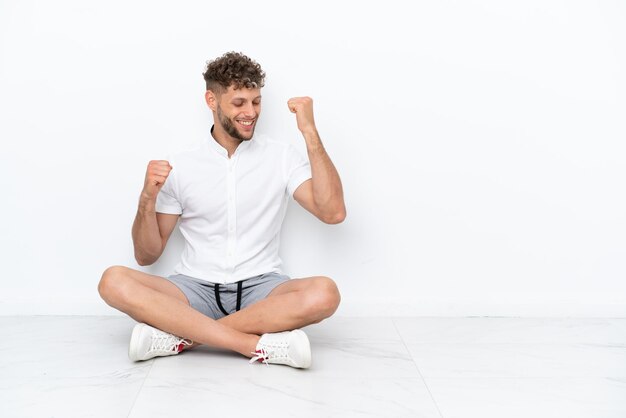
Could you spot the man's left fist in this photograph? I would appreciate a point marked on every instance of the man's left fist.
(303, 108)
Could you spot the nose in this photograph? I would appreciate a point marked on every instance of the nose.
(249, 111)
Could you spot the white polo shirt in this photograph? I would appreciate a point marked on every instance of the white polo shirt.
(232, 209)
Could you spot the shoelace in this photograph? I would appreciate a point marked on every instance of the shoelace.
(260, 355)
(162, 341)
(271, 352)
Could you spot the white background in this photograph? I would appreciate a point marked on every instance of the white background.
(480, 145)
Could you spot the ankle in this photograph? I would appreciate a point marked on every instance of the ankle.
(187, 347)
(250, 346)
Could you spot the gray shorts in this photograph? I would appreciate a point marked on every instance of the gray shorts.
(217, 300)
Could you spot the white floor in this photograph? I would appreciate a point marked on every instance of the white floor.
(52, 366)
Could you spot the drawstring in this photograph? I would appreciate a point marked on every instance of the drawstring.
(219, 302)
(217, 297)
(239, 284)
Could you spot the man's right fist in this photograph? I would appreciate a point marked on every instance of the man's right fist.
(156, 174)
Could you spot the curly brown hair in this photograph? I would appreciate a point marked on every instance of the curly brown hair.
(233, 68)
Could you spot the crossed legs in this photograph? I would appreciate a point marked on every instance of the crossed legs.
(158, 302)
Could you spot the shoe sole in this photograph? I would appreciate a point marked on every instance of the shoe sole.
(134, 342)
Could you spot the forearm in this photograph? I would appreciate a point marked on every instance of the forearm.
(327, 189)
(146, 237)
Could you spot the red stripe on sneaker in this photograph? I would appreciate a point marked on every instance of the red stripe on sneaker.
(262, 358)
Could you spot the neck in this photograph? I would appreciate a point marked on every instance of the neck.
(225, 140)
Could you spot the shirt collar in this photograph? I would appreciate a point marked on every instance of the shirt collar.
(213, 144)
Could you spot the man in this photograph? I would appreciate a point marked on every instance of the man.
(230, 193)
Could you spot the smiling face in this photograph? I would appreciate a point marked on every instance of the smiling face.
(236, 111)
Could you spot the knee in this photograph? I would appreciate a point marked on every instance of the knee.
(113, 284)
(324, 298)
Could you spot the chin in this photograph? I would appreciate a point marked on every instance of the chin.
(246, 137)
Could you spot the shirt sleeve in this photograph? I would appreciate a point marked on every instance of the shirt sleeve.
(167, 199)
(298, 169)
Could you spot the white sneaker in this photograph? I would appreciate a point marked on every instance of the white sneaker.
(290, 347)
(148, 342)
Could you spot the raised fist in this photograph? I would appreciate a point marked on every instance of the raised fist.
(303, 108)
(156, 175)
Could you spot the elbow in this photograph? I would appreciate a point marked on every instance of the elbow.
(142, 262)
(336, 218)
(144, 257)
(145, 261)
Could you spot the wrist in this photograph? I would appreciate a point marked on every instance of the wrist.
(147, 202)
(309, 131)
(311, 137)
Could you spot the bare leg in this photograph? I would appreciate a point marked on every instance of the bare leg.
(293, 304)
(158, 302)
(162, 305)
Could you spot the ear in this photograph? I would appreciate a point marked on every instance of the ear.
(211, 100)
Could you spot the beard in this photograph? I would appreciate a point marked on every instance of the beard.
(229, 126)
